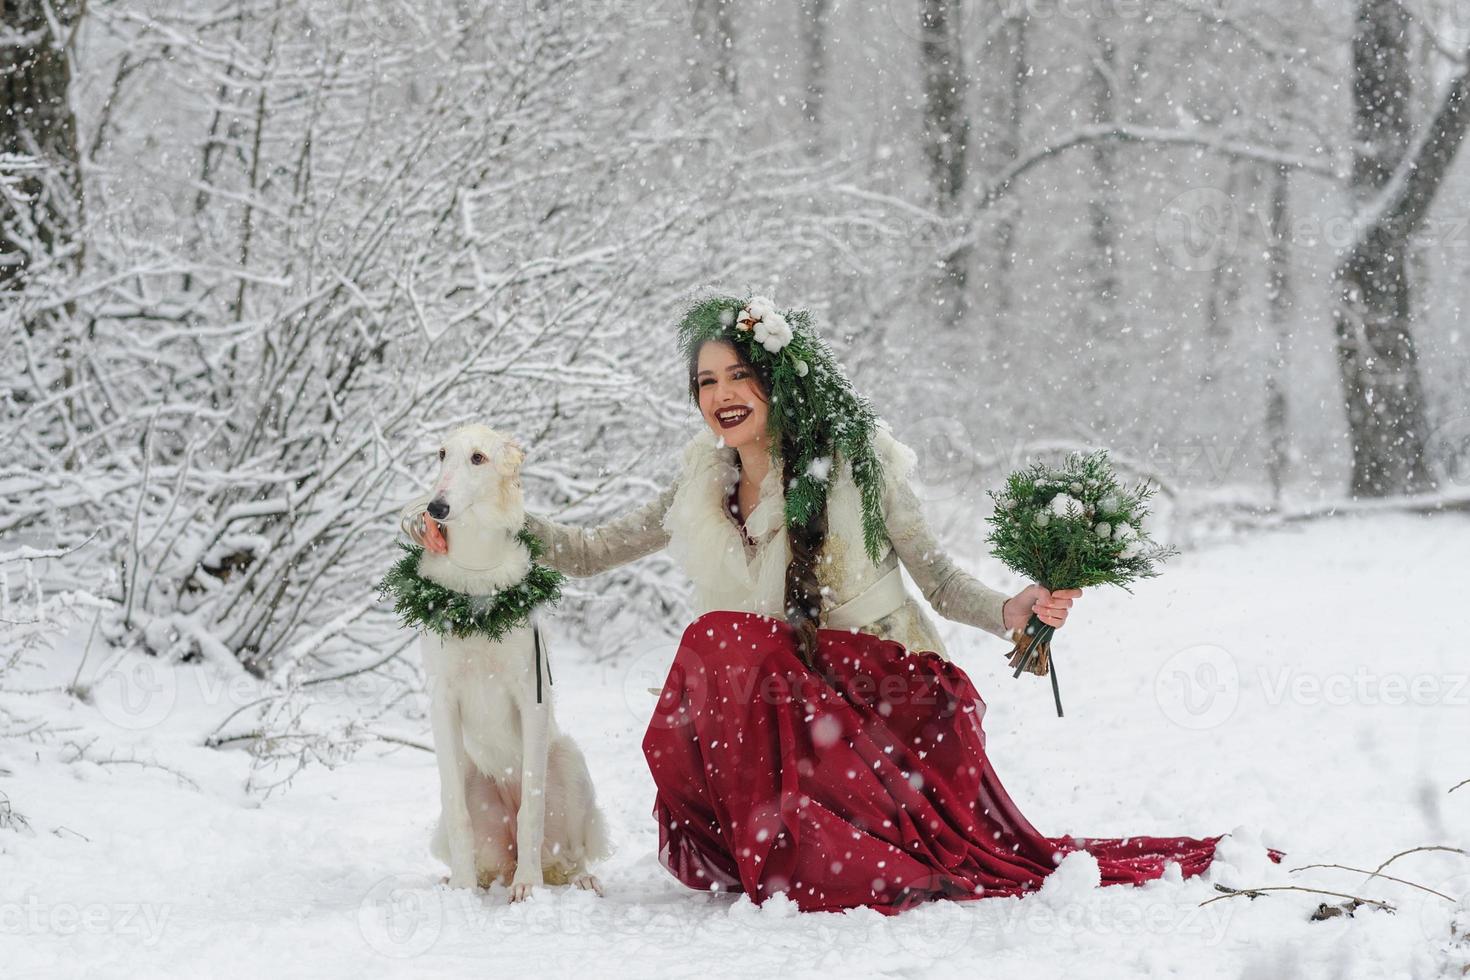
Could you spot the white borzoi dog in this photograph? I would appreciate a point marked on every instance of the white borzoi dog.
(518, 804)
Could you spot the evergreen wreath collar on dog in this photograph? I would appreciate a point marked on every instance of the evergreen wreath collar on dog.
(428, 605)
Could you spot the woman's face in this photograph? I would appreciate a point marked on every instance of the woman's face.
(730, 396)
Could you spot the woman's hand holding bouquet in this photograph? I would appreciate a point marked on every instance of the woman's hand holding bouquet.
(1065, 528)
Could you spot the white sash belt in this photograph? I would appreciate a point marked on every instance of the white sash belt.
(883, 597)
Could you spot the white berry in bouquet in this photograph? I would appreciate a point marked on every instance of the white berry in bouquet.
(1070, 527)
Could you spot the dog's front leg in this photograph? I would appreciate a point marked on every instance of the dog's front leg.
(454, 817)
(531, 820)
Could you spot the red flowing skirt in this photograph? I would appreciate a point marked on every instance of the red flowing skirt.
(862, 782)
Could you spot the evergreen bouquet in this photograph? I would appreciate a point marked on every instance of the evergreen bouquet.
(1068, 527)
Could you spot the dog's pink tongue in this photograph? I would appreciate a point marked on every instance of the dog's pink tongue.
(433, 538)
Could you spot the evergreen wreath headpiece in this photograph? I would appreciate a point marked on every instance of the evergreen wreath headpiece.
(810, 398)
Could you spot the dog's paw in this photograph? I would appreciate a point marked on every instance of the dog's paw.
(521, 890)
(588, 883)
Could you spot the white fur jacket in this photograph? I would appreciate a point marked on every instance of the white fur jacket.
(691, 519)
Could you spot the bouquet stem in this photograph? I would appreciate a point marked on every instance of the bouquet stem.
(1036, 657)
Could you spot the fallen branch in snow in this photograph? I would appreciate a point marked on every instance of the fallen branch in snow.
(1416, 850)
(114, 760)
(218, 741)
(1375, 874)
(1325, 911)
(297, 748)
(1258, 892)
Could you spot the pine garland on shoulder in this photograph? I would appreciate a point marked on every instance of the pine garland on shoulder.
(811, 399)
(422, 604)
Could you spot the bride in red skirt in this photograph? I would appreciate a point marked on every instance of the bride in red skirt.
(812, 737)
(860, 781)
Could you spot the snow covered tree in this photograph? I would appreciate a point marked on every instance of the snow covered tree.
(41, 243)
(1397, 172)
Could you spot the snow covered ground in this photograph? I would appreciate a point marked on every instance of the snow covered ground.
(1308, 689)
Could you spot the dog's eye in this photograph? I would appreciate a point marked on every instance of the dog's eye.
(441, 455)
(477, 458)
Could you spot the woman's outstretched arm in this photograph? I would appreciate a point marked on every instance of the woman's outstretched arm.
(953, 592)
(583, 551)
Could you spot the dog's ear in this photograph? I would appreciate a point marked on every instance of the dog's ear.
(508, 464)
(511, 457)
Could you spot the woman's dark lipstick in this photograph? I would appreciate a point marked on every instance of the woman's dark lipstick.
(745, 414)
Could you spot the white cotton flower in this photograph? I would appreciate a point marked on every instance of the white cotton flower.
(1131, 549)
(1077, 488)
(1108, 504)
(1042, 518)
(771, 340)
(1104, 530)
(760, 307)
(1124, 532)
(820, 468)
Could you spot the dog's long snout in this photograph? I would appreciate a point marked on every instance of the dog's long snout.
(438, 508)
